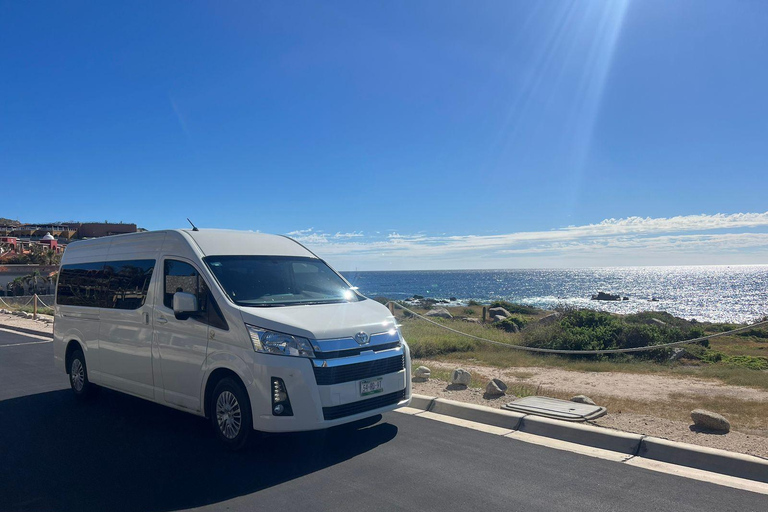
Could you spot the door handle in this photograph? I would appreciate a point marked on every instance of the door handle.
(162, 320)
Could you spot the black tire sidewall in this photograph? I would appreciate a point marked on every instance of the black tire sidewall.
(87, 390)
(234, 387)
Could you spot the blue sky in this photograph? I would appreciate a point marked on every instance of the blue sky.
(392, 135)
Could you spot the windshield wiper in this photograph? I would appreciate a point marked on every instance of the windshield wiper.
(297, 303)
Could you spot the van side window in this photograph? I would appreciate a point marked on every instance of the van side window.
(82, 284)
(179, 277)
(183, 277)
(128, 283)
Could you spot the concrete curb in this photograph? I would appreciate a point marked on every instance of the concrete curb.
(702, 457)
(588, 435)
(633, 445)
(26, 331)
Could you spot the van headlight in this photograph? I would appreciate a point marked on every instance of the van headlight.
(273, 342)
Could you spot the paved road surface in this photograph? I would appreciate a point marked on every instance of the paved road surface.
(121, 453)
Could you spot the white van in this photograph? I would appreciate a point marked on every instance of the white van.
(251, 330)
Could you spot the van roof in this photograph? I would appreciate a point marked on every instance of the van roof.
(219, 242)
(222, 242)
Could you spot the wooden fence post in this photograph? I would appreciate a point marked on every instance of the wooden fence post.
(34, 308)
(485, 313)
(391, 306)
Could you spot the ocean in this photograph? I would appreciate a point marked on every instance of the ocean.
(705, 293)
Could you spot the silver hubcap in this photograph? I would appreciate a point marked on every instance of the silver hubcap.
(228, 415)
(77, 374)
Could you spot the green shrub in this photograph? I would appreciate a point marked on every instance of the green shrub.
(509, 323)
(750, 362)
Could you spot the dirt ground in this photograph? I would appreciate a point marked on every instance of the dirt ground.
(603, 386)
(635, 386)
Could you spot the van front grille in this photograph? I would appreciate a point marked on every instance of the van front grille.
(347, 373)
(341, 411)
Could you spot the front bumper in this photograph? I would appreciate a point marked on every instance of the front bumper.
(326, 392)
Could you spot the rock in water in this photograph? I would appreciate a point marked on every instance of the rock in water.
(583, 399)
(439, 312)
(711, 421)
(461, 377)
(422, 372)
(495, 387)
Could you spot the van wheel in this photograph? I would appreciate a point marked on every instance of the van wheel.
(231, 414)
(78, 377)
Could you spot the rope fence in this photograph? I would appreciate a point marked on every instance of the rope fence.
(581, 352)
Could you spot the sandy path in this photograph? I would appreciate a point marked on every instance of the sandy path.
(641, 386)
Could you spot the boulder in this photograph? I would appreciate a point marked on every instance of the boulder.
(710, 421)
(677, 353)
(439, 313)
(453, 299)
(549, 319)
(461, 377)
(498, 312)
(495, 387)
(472, 320)
(583, 399)
(422, 372)
(606, 296)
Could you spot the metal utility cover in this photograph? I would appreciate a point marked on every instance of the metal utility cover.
(557, 409)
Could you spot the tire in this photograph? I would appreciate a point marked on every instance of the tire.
(231, 414)
(78, 377)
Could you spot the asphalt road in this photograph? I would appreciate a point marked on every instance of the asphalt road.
(120, 453)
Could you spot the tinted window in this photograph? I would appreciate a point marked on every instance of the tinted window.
(82, 284)
(128, 283)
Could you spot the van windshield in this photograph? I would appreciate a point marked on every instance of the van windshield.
(264, 281)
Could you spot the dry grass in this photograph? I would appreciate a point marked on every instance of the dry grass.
(432, 342)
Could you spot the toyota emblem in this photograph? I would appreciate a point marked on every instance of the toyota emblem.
(362, 338)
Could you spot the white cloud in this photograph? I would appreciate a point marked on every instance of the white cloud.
(618, 238)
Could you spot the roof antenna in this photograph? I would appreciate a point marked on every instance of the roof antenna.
(194, 228)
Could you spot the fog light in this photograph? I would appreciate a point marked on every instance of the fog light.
(281, 404)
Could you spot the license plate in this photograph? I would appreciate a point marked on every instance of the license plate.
(371, 387)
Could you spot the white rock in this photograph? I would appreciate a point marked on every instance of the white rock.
(550, 319)
(422, 372)
(439, 312)
(471, 320)
(461, 377)
(499, 312)
(583, 399)
(708, 420)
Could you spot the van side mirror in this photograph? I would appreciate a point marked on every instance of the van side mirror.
(184, 304)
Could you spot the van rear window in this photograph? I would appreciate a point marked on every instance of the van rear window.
(112, 284)
(264, 281)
